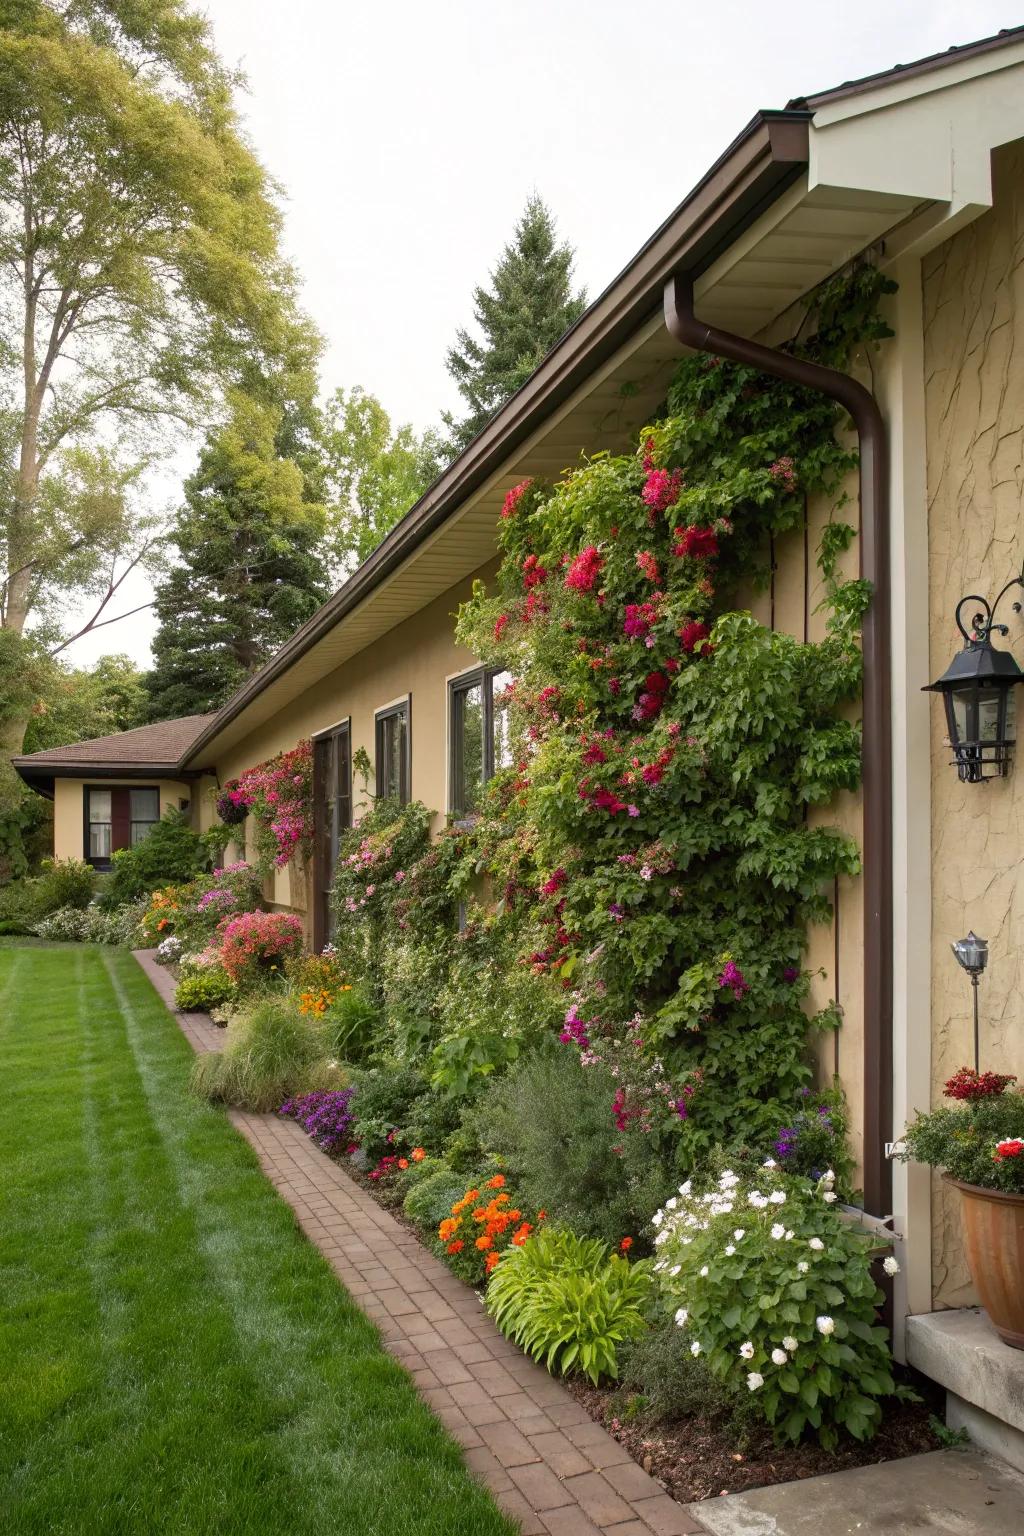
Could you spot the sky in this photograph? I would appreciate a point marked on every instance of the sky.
(406, 138)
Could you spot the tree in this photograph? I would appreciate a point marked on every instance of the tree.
(250, 568)
(139, 274)
(373, 474)
(77, 703)
(528, 306)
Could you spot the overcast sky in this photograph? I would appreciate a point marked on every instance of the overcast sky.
(406, 138)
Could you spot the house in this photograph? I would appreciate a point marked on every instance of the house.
(919, 170)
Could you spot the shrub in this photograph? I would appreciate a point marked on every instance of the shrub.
(350, 1026)
(384, 1106)
(980, 1140)
(316, 980)
(490, 1012)
(569, 1302)
(194, 911)
(814, 1139)
(669, 1382)
(373, 860)
(63, 883)
(776, 1290)
(66, 925)
(482, 1225)
(430, 1200)
(91, 926)
(269, 1056)
(253, 944)
(325, 1116)
(203, 990)
(171, 853)
(551, 1120)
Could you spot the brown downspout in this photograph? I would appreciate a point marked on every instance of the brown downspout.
(877, 758)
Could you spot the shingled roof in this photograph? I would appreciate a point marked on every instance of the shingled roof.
(148, 751)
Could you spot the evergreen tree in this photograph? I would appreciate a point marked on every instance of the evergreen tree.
(250, 569)
(528, 306)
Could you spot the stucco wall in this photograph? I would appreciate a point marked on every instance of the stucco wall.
(68, 803)
(973, 310)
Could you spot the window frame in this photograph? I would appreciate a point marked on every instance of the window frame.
(481, 677)
(401, 707)
(336, 743)
(103, 861)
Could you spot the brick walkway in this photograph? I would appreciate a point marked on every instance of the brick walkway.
(547, 1463)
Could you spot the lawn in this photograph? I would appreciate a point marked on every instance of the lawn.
(174, 1355)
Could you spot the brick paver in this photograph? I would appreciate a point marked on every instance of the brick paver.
(547, 1463)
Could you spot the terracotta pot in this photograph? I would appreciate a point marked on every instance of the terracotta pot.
(993, 1225)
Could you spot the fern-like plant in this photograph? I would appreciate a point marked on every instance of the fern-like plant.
(569, 1302)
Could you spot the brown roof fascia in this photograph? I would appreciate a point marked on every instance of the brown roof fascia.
(916, 67)
(762, 161)
(40, 775)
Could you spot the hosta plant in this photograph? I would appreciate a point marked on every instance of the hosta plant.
(569, 1302)
(776, 1291)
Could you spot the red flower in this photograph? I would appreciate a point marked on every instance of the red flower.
(695, 543)
(648, 565)
(661, 489)
(970, 1086)
(1012, 1147)
(514, 497)
(584, 570)
(694, 637)
(534, 574)
(626, 1244)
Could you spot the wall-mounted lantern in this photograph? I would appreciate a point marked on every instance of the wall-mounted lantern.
(972, 954)
(977, 691)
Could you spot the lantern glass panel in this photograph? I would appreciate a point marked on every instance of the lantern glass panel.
(961, 714)
(1010, 728)
(989, 700)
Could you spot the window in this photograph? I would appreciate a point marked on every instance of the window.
(144, 806)
(332, 814)
(99, 829)
(479, 735)
(117, 818)
(394, 751)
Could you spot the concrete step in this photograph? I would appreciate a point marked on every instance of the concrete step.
(954, 1492)
(983, 1377)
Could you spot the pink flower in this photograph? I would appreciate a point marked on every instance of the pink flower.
(732, 977)
(695, 543)
(783, 472)
(661, 489)
(694, 638)
(584, 570)
(514, 497)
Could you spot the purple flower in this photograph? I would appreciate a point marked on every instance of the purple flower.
(325, 1117)
(791, 973)
(733, 977)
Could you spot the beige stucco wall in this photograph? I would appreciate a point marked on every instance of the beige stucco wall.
(973, 309)
(68, 803)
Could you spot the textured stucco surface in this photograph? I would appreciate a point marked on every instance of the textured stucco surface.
(973, 312)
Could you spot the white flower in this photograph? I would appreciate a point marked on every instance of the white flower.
(779, 1357)
(825, 1325)
(739, 1233)
(802, 1267)
(684, 1189)
(728, 1180)
(754, 1380)
(747, 1350)
(675, 1269)
(681, 1317)
(704, 1272)
(777, 1197)
(789, 1343)
(817, 1244)
(778, 1231)
(789, 1236)
(757, 1200)
(687, 1241)
(769, 1162)
(670, 1205)
(695, 1348)
(829, 1176)
(829, 1196)
(730, 1249)
(890, 1266)
(662, 1237)
(659, 1266)
(658, 1218)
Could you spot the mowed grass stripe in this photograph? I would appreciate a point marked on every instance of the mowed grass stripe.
(174, 1355)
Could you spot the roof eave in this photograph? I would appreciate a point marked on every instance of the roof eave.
(770, 152)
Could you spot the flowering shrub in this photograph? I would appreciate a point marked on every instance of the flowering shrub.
(979, 1141)
(326, 1117)
(373, 863)
(254, 943)
(814, 1139)
(192, 913)
(481, 1227)
(204, 989)
(569, 1302)
(776, 1292)
(160, 915)
(232, 804)
(90, 925)
(278, 795)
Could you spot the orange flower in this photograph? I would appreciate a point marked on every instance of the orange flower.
(514, 1215)
(626, 1244)
(403, 1163)
(492, 1261)
(542, 1215)
(483, 1243)
(520, 1235)
(479, 1214)
(498, 1182)
(418, 1154)
(447, 1228)
(456, 1247)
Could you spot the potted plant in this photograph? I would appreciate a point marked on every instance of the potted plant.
(979, 1141)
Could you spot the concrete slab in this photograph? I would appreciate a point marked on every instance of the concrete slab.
(961, 1350)
(958, 1493)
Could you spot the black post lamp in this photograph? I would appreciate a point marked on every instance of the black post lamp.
(977, 691)
(972, 954)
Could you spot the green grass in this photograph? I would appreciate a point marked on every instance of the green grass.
(174, 1355)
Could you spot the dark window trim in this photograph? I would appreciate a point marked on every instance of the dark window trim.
(482, 677)
(341, 730)
(87, 789)
(401, 706)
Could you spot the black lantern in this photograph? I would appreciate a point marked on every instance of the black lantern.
(977, 691)
(972, 954)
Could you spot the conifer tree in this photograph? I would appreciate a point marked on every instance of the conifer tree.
(528, 306)
(250, 568)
